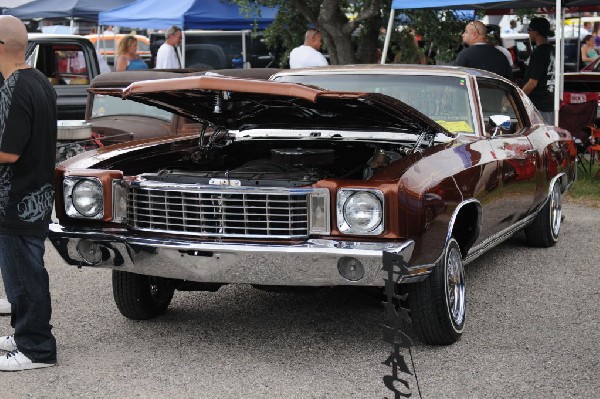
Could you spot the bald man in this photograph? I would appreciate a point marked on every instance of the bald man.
(27, 157)
(480, 54)
(308, 55)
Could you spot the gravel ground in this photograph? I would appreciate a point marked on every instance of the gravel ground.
(532, 331)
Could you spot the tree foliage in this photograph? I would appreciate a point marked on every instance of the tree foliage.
(350, 29)
(440, 31)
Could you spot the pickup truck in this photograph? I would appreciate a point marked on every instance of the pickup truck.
(70, 62)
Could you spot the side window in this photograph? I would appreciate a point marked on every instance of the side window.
(497, 99)
(70, 66)
(63, 64)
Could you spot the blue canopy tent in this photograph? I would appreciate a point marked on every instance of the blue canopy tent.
(84, 9)
(188, 14)
(495, 4)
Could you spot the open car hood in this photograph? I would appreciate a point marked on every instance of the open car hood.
(241, 104)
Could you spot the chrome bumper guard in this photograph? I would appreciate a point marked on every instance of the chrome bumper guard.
(316, 262)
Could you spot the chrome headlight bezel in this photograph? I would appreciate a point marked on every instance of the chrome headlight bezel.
(74, 209)
(345, 223)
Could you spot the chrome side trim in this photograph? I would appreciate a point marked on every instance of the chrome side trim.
(498, 238)
(505, 234)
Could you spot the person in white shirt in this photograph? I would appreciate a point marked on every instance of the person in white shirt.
(167, 56)
(308, 55)
(494, 40)
(512, 28)
(585, 30)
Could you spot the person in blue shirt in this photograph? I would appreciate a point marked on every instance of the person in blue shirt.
(128, 59)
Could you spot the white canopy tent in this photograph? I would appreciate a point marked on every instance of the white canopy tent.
(558, 6)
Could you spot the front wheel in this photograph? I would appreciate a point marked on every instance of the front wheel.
(438, 304)
(543, 231)
(140, 297)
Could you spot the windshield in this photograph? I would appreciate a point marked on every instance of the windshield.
(109, 106)
(444, 99)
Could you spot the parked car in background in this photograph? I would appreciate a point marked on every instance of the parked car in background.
(106, 44)
(70, 63)
(116, 120)
(310, 179)
(520, 47)
(110, 120)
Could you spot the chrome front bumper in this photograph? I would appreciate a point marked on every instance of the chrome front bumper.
(313, 263)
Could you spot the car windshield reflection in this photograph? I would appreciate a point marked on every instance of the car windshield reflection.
(442, 98)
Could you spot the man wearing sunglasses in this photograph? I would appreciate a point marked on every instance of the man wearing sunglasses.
(308, 55)
(480, 54)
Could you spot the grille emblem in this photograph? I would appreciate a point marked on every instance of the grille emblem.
(225, 182)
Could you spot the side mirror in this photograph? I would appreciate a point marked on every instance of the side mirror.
(499, 122)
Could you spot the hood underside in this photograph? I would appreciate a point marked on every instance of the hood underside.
(241, 104)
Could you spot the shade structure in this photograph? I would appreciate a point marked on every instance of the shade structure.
(488, 4)
(188, 14)
(558, 6)
(84, 9)
(13, 3)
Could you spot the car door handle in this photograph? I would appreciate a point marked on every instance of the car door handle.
(527, 152)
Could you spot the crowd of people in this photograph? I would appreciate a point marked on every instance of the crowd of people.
(489, 55)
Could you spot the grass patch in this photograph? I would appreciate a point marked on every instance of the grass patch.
(586, 189)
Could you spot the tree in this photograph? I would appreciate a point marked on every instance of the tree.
(331, 18)
(441, 32)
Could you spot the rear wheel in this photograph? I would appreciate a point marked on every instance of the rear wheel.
(543, 231)
(438, 305)
(140, 297)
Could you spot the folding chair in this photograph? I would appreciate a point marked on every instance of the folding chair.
(594, 150)
(578, 115)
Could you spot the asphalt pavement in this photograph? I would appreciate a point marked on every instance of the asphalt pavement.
(533, 331)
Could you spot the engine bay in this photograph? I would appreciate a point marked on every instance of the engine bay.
(281, 163)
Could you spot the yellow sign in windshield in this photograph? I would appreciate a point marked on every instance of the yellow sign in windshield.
(456, 126)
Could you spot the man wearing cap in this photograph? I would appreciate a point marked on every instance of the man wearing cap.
(480, 54)
(539, 77)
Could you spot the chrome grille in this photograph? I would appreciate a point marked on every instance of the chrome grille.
(219, 211)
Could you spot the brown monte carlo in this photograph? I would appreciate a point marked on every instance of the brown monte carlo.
(308, 178)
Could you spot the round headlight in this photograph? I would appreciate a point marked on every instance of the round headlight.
(88, 198)
(363, 211)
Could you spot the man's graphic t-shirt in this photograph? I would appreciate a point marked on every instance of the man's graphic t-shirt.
(27, 129)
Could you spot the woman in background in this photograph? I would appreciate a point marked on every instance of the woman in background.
(588, 50)
(128, 59)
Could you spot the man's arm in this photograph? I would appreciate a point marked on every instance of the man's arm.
(530, 86)
(5, 157)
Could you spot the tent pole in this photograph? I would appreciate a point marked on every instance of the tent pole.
(182, 49)
(388, 35)
(244, 60)
(559, 60)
